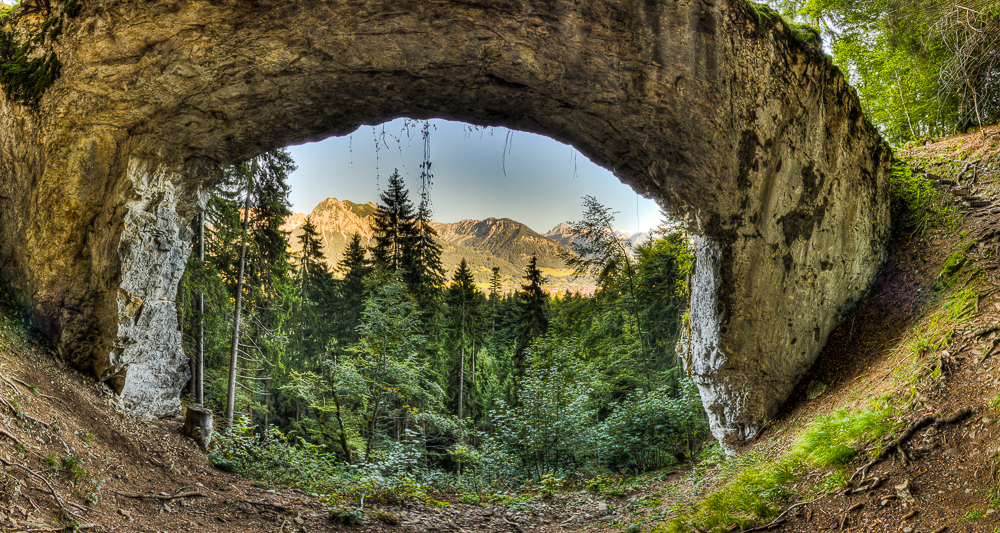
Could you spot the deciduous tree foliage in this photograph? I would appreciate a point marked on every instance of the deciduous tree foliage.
(923, 67)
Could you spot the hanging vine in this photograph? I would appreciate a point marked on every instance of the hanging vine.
(28, 68)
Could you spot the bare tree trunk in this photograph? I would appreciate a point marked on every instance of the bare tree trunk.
(233, 352)
(199, 383)
(267, 402)
(343, 431)
(461, 366)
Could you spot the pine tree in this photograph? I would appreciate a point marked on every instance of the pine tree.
(259, 274)
(494, 296)
(394, 228)
(238, 309)
(355, 269)
(314, 283)
(533, 314)
(425, 275)
(495, 282)
(463, 311)
(600, 252)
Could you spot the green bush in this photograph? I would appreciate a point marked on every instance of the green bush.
(278, 459)
(654, 429)
(553, 430)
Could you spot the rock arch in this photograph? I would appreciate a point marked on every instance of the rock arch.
(719, 113)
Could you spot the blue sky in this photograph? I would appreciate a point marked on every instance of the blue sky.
(539, 181)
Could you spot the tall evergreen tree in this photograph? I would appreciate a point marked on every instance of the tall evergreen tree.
(354, 269)
(464, 310)
(494, 296)
(394, 228)
(425, 275)
(534, 319)
(602, 253)
(251, 254)
(314, 283)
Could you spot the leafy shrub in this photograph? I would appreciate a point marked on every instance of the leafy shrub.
(553, 430)
(346, 515)
(277, 459)
(652, 430)
(598, 484)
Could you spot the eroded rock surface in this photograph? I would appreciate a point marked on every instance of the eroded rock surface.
(727, 120)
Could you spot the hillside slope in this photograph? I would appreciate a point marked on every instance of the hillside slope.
(915, 364)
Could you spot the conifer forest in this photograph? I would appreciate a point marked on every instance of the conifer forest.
(389, 370)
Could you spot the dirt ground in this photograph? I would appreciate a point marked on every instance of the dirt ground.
(134, 475)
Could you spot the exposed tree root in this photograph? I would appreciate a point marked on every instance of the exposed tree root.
(51, 491)
(12, 437)
(163, 496)
(907, 434)
(779, 519)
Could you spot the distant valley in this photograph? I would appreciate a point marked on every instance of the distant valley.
(484, 244)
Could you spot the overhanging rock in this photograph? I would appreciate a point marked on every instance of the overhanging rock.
(720, 114)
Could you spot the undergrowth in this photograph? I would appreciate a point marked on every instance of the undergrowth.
(756, 491)
(914, 195)
(805, 33)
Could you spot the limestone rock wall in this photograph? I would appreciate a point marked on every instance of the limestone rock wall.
(726, 119)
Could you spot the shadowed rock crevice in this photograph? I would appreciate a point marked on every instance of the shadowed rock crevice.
(730, 123)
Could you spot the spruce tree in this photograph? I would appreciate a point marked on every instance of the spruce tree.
(250, 253)
(394, 228)
(425, 275)
(533, 321)
(463, 313)
(355, 269)
(494, 296)
(314, 283)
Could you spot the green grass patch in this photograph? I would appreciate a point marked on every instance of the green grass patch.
(829, 441)
(756, 489)
(756, 485)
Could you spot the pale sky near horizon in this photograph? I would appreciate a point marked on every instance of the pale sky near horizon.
(544, 183)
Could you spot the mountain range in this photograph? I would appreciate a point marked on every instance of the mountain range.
(561, 235)
(484, 244)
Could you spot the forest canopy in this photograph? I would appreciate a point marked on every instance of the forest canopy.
(923, 68)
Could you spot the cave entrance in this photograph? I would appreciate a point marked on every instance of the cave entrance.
(726, 119)
(491, 189)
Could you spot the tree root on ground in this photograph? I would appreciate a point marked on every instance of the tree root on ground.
(162, 496)
(51, 491)
(779, 519)
(907, 434)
